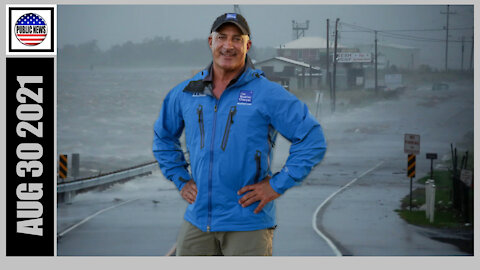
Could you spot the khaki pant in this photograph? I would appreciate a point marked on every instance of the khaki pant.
(192, 241)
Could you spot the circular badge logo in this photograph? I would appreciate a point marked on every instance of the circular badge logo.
(31, 29)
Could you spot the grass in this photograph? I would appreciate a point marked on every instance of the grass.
(446, 216)
(443, 219)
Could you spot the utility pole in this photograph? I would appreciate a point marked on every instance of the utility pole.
(471, 56)
(376, 65)
(446, 39)
(335, 65)
(463, 48)
(327, 78)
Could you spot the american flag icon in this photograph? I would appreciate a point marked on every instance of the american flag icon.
(31, 29)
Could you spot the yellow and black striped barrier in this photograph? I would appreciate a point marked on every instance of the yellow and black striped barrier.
(411, 166)
(411, 174)
(63, 166)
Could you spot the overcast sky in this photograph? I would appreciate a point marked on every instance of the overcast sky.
(271, 25)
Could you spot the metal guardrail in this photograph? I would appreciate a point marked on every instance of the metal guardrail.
(90, 182)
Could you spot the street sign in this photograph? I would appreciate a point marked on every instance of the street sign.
(431, 156)
(412, 144)
(345, 57)
(466, 177)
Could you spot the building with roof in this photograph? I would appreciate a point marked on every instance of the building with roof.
(311, 50)
(291, 74)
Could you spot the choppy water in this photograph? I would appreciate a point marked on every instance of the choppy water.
(107, 115)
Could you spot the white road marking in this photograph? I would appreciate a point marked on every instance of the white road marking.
(314, 219)
(92, 216)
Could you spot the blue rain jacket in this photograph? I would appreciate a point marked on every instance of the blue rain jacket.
(230, 143)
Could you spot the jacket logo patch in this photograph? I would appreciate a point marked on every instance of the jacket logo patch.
(198, 95)
(245, 97)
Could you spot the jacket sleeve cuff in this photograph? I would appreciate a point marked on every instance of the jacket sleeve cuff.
(281, 181)
(181, 178)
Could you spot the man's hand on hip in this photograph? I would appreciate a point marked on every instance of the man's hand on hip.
(261, 191)
(189, 191)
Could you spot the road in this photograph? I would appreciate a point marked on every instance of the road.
(365, 148)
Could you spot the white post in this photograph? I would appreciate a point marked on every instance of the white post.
(428, 192)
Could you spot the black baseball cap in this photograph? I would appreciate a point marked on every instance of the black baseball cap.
(234, 18)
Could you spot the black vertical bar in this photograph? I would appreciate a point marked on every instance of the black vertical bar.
(29, 233)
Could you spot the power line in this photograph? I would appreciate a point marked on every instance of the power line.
(412, 30)
(357, 26)
(396, 35)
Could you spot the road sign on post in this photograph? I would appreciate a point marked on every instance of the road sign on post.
(412, 144)
(412, 148)
(431, 156)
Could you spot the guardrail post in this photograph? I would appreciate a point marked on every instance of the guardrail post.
(75, 165)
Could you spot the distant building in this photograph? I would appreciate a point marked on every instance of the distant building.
(293, 75)
(311, 50)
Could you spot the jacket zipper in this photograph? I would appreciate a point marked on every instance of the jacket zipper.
(201, 126)
(258, 159)
(209, 219)
(233, 111)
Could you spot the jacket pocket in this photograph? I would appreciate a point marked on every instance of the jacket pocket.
(231, 114)
(201, 126)
(258, 161)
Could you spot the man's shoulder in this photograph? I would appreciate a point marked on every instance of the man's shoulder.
(265, 84)
(182, 85)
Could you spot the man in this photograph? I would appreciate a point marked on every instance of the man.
(230, 113)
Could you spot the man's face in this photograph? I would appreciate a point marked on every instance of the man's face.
(229, 48)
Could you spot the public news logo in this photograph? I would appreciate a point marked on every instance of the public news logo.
(31, 29)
